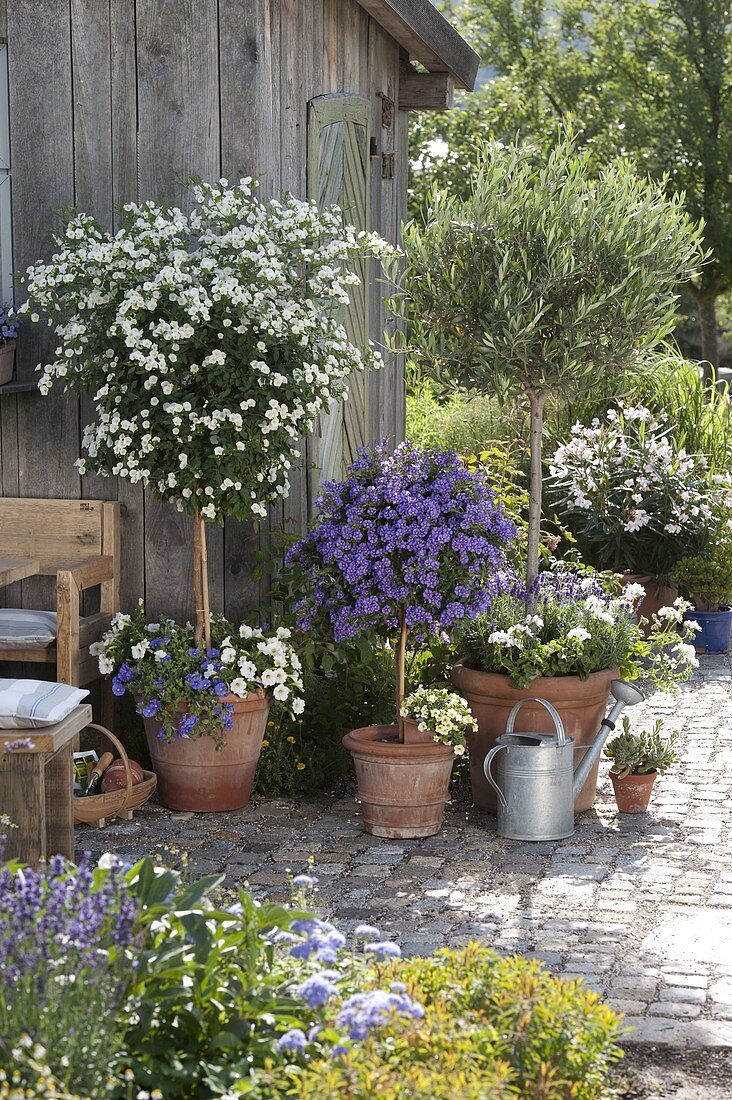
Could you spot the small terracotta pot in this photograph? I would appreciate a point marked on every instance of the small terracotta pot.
(413, 735)
(194, 775)
(633, 792)
(491, 697)
(657, 595)
(7, 362)
(402, 788)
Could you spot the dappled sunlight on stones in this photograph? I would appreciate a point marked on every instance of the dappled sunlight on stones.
(639, 907)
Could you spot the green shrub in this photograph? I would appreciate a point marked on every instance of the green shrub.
(706, 579)
(462, 422)
(493, 1028)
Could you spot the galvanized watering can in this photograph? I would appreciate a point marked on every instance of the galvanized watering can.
(536, 782)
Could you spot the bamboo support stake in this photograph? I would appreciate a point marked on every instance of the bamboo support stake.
(204, 586)
(401, 654)
(197, 577)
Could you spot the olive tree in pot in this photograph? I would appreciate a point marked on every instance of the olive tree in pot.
(407, 546)
(547, 275)
(209, 346)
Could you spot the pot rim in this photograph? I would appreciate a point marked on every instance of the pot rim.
(369, 741)
(531, 689)
(722, 611)
(633, 775)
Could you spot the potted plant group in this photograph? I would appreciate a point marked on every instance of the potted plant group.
(706, 579)
(549, 276)
(209, 347)
(9, 325)
(633, 501)
(564, 638)
(407, 546)
(637, 759)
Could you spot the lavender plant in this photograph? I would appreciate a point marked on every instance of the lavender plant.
(9, 323)
(64, 966)
(408, 543)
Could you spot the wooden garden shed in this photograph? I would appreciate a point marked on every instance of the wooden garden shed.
(103, 101)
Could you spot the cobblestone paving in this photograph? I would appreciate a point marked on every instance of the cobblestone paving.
(640, 907)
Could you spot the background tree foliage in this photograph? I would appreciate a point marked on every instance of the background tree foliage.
(648, 78)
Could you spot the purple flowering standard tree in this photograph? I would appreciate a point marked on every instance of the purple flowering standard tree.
(408, 545)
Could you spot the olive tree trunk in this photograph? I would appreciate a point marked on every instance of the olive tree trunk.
(538, 400)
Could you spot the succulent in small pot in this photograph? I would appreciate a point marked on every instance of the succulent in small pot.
(409, 544)
(706, 579)
(438, 714)
(9, 325)
(637, 759)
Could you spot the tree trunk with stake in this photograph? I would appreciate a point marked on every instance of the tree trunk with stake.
(200, 581)
(401, 655)
(538, 400)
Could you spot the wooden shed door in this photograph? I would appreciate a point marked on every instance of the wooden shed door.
(338, 172)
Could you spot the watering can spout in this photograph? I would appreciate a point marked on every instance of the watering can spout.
(626, 695)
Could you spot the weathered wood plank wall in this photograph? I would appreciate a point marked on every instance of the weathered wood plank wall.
(125, 100)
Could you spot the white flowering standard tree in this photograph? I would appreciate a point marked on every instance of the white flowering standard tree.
(210, 342)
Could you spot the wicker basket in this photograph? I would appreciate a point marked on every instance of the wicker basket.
(95, 809)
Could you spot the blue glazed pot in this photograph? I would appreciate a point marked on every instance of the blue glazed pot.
(716, 628)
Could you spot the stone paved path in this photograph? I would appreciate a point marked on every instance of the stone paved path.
(640, 907)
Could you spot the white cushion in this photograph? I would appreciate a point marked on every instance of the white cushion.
(22, 629)
(32, 704)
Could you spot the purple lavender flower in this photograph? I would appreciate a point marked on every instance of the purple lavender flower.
(411, 533)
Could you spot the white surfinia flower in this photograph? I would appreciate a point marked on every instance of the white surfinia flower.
(633, 592)
(579, 634)
(239, 687)
(140, 649)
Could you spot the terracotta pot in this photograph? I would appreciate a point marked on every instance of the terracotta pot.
(194, 775)
(657, 595)
(402, 788)
(491, 696)
(633, 792)
(7, 362)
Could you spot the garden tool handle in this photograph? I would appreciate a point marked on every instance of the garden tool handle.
(553, 712)
(487, 770)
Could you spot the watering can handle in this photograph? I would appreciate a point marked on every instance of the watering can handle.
(487, 769)
(558, 724)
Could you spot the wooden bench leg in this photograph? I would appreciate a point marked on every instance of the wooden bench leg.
(59, 803)
(23, 799)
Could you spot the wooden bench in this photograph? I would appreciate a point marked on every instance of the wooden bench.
(78, 543)
(36, 788)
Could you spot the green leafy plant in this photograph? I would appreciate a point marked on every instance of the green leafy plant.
(706, 579)
(546, 275)
(641, 753)
(494, 1028)
(569, 625)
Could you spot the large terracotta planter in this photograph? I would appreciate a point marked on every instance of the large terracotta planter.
(491, 697)
(195, 775)
(402, 788)
(633, 792)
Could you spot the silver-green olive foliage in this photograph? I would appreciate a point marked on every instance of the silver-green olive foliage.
(547, 274)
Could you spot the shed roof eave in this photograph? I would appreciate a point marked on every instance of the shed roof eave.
(430, 39)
